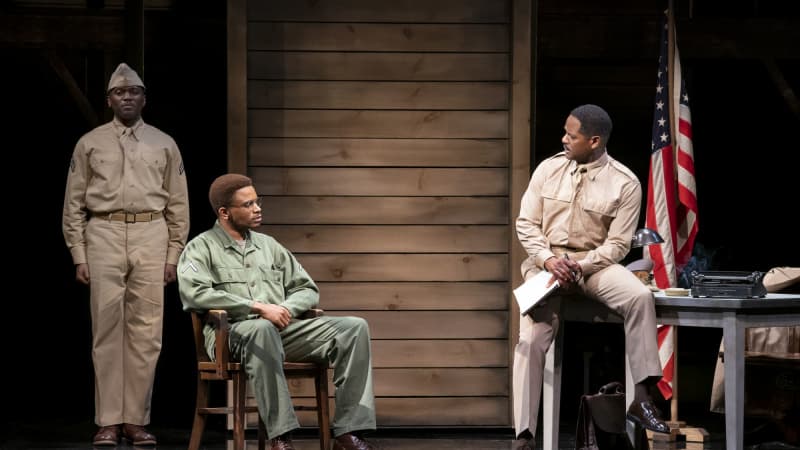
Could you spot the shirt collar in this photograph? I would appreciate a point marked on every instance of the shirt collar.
(119, 127)
(228, 241)
(591, 168)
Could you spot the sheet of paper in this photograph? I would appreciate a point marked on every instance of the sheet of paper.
(534, 290)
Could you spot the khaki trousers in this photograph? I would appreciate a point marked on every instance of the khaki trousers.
(620, 290)
(342, 342)
(126, 266)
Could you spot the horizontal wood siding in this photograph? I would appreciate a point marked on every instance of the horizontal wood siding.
(432, 95)
(387, 210)
(391, 238)
(453, 182)
(378, 133)
(376, 66)
(332, 152)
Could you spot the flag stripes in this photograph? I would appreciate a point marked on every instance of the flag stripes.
(671, 191)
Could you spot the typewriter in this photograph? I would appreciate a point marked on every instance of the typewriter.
(728, 284)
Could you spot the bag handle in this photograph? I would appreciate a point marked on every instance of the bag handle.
(615, 387)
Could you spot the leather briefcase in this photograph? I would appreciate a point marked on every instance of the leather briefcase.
(601, 420)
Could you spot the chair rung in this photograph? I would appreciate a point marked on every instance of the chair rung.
(217, 410)
(300, 366)
(305, 408)
(229, 409)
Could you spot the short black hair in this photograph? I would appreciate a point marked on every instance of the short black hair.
(594, 120)
(224, 187)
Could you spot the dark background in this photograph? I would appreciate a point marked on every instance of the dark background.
(746, 148)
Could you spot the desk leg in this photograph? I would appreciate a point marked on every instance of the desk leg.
(551, 394)
(733, 338)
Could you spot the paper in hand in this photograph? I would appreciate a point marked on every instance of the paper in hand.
(534, 290)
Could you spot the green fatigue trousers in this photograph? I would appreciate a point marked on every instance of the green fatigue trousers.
(342, 342)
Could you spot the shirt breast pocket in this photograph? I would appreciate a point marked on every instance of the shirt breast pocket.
(551, 190)
(604, 209)
(154, 159)
(106, 164)
(273, 284)
(272, 276)
(553, 200)
(233, 280)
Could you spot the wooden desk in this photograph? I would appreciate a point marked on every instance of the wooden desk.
(732, 315)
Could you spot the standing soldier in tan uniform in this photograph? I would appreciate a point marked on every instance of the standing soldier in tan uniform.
(576, 221)
(126, 220)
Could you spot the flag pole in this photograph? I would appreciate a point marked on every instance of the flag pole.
(673, 126)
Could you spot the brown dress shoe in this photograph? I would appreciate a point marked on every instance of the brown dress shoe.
(108, 435)
(349, 441)
(282, 442)
(137, 435)
(646, 414)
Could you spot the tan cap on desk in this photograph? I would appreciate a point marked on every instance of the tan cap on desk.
(780, 278)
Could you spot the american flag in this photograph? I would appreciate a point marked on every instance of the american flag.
(671, 192)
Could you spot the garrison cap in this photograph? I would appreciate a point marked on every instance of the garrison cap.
(124, 76)
(640, 264)
(779, 278)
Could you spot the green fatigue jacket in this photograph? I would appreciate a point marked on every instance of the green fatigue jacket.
(214, 272)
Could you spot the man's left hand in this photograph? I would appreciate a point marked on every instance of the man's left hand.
(170, 273)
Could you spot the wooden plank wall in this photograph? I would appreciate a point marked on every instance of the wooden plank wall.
(379, 133)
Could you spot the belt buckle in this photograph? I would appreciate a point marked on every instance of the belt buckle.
(130, 217)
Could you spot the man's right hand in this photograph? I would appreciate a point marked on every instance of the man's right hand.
(562, 269)
(278, 315)
(82, 273)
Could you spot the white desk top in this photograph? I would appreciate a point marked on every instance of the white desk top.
(768, 302)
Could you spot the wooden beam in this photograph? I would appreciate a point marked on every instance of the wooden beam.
(134, 36)
(783, 86)
(100, 29)
(523, 12)
(97, 30)
(73, 89)
(237, 86)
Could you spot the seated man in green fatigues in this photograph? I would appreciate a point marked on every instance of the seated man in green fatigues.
(264, 288)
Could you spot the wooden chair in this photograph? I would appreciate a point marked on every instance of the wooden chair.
(225, 369)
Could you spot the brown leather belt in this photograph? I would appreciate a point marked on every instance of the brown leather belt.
(556, 248)
(128, 217)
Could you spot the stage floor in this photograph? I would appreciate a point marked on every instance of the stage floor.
(66, 435)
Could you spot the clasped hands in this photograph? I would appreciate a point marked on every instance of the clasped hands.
(278, 315)
(565, 270)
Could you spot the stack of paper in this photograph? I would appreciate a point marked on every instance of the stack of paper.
(534, 290)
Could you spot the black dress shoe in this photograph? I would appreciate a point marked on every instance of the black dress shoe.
(350, 441)
(646, 414)
(282, 442)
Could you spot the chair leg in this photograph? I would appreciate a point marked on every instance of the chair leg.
(239, 390)
(323, 412)
(199, 424)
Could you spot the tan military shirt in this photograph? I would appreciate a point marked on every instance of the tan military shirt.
(105, 178)
(594, 215)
